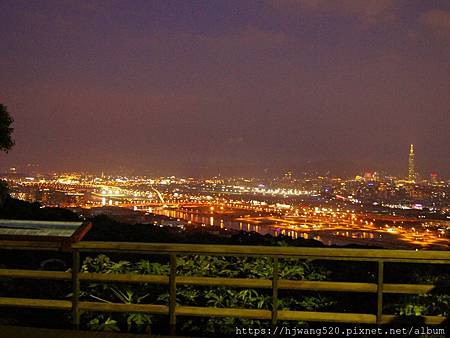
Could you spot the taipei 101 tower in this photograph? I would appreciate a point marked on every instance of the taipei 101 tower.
(411, 164)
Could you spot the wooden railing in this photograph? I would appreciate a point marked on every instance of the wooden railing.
(172, 280)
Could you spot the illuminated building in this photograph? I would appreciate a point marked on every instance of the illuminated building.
(434, 178)
(411, 166)
(288, 175)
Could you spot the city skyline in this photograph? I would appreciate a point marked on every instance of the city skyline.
(227, 88)
(412, 174)
(393, 213)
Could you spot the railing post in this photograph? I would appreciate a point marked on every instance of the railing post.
(275, 291)
(172, 294)
(380, 292)
(75, 289)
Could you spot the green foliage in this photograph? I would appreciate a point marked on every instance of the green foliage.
(431, 304)
(121, 293)
(294, 269)
(4, 192)
(423, 305)
(220, 297)
(232, 267)
(103, 323)
(6, 141)
(16, 209)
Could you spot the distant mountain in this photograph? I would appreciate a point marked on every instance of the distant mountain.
(340, 168)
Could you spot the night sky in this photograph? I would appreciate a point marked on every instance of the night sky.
(230, 87)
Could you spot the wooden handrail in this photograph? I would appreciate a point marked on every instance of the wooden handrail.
(248, 250)
(242, 250)
(219, 281)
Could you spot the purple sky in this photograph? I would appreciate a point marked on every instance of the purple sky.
(231, 87)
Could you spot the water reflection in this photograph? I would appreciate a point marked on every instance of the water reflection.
(305, 230)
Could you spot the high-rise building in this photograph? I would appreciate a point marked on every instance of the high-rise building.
(434, 177)
(411, 164)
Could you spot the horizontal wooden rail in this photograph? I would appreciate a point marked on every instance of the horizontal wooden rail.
(328, 317)
(116, 307)
(51, 304)
(226, 282)
(246, 250)
(123, 278)
(30, 245)
(327, 286)
(222, 312)
(413, 256)
(418, 289)
(34, 274)
(209, 311)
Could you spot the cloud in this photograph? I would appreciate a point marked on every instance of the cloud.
(235, 140)
(366, 11)
(245, 38)
(438, 21)
(248, 37)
